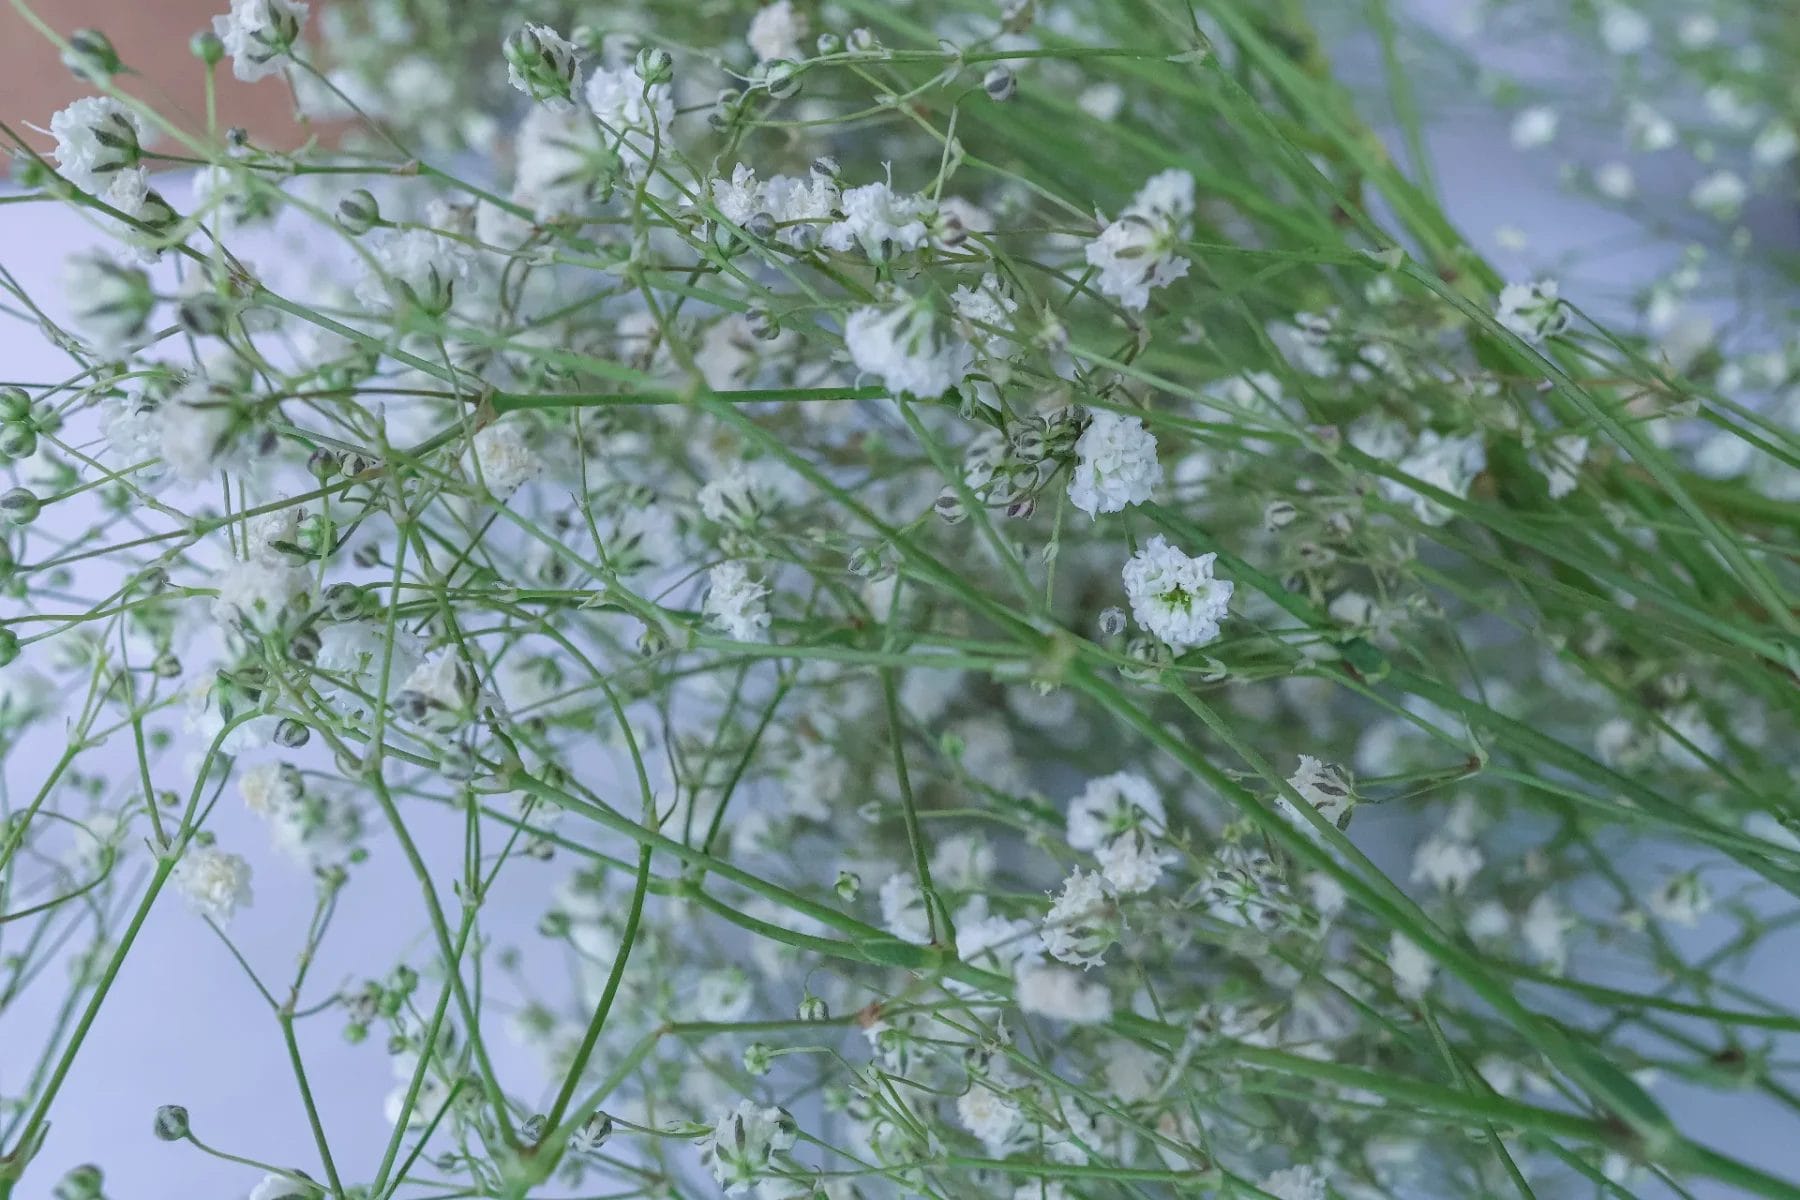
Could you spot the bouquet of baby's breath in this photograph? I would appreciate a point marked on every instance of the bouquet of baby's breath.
(1029, 617)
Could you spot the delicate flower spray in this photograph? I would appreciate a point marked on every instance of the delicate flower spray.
(867, 601)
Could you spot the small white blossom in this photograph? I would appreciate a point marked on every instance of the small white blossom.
(803, 207)
(776, 30)
(1625, 30)
(1446, 862)
(1720, 195)
(1322, 785)
(1544, 930)
(903, 346)
(737, 603)
(903, 909)
(259, 595)
(879, 220)
(982, 311)
(1532, 310)
(1534, 127)
(1132, 863)
(543, 64)
(1116, 464)
(1295, 1183)
(417, 266)
(283, 1187)
(98, 141)
(506, 461)
(1112, 805)
(635, 115)
(1682, 899)
(1062, 994)
(440, 693)
(1080, 925)
(1413, 968)
(258, 34)
(1175, 597)
(1138, 251)
(991, 1117)
(992, 943)
(1615, 180)
(741, 1146)
(214, 884)
(1449, 464)
(1559, 462)
(738, 198)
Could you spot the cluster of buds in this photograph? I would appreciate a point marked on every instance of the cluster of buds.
(21, 422)
(1009, 472)
(377, 1000)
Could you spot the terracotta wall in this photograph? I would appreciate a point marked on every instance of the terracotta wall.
(152, 37)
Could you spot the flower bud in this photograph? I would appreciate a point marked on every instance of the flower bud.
(171, 1124)
(541, 63)
(15, 404)
(9, 647)
(111, 301)
(862, 41)
(18, 441)
(829, 44)
(1000, 85)
(357, 212)
(761, 226)
(593, 1133)
(781, 78)
(204, 314)
(849, 883)
(81, 1183)
(759, 1058)
(1112, 622)
(90, 55)
(763, 325)
(291, 733)
(208, 47)
(20, 506)
(654, 65)
(812, 1008)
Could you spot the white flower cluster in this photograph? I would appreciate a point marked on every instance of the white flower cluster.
(1175, 597)
(1140, 250)
(1116, 464)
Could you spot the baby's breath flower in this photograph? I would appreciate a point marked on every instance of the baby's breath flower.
(98, 140)
(1447, 463)
(259, 34)
(1138, 251)
(1116, 464)
(902, 345)
(1413, 968)
(543, 64)
(879, 220)
(1175, 597)
(505, 460)
(1532, 310)
(214, 883)
(111, 301)
(1303, 1182)
(738, 603)
(741, 1148)
(776, 32)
